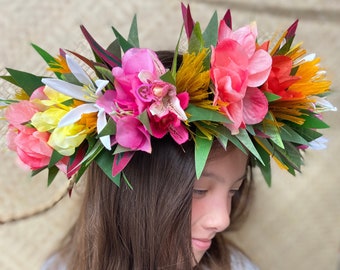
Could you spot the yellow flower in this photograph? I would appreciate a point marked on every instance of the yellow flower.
(192, 77)
(47, 120)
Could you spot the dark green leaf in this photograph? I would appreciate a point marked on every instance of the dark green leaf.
(56, 156)
(210, 33)
(109, 129)
(52, 173)
(105, 162)
(243, 136)
(27, 81)
(167, 77)
(124, 44)
(133, 33)
(288, 134)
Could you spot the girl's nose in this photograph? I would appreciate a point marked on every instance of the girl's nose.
(218, 216)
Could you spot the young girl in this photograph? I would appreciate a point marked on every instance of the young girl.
(168, 140)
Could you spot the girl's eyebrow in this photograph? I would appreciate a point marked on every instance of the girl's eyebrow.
(221, 180)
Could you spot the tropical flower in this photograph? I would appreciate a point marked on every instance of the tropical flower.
(86, 92)
(30, 144)
(237, 69)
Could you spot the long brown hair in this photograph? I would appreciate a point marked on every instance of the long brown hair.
(147, 227)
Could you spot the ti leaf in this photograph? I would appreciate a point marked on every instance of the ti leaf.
(210, 33)
(133, 33)
(105, 162)
(124, 44)
(202, 149)
(202, 114)
(27, 81)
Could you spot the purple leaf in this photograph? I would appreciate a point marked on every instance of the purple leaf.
(188, 21)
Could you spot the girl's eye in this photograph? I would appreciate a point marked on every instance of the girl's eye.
(199, 192)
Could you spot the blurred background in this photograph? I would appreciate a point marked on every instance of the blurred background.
(295, 224)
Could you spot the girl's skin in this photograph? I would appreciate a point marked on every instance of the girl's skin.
(222, 177)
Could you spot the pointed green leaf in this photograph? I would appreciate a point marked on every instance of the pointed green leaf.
(9, 79)
(127, 181)
(270, 129)
(27, 81)
(133, 33)
(105, 162)
(56, 156)
(307, 133)
(106, 73)
(312, 121)
(225, 132)
(124, 44)
(265, 167)
(52, 173)
(271, 97)
(167, 77)
(202, 149)
(288, 134)
(202, 114)
(210, 33)
(196, 42)
(49, 59)
(243, 136)
(174, 62)
(144, 119)
(109, 129)
(114, 48)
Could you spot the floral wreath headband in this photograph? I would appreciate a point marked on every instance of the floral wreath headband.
(266, 99)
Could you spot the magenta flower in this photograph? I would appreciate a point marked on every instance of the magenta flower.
(237, 69)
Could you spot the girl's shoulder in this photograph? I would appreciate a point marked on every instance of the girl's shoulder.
(239, 261)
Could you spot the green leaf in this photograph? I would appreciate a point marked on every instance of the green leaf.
(52, 173)
(271, 130)
(288, 134)
(265, 167)
(56, 156)
(202, 114)
(27, 81)
(202, 149)
(133, 33)
(243, 136)
(9, 79)
(124, 44)
(271, 97)
(167, 77)
(109, 129)
(210, 33)
(312, 121)
(225, 132)
(35, 172)
(106, 73)
(144, 119)
(105, 162)
(196, 42)
(127, 181)
(307, 133)
(114, 48)
(49, 59)
(174, 62)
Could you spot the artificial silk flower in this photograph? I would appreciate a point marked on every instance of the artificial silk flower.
(30, 144)
(88, 93)
(237, 67)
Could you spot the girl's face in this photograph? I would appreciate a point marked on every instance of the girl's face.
(221, 178)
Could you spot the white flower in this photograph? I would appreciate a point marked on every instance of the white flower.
(88, 92)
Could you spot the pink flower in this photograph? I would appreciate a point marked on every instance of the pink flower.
(140, 67)
(237, 69)
(131, 134)
(30, 144)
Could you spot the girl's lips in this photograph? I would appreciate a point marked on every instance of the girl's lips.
(201, 244)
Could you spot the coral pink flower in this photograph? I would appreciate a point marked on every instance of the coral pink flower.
(30, 145)
(237, 67)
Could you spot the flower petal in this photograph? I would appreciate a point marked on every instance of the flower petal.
(78, 71)
(69, 89)
(75, 114)
(101, 123)
(255, 106)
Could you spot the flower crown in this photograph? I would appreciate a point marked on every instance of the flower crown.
(265, 98)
